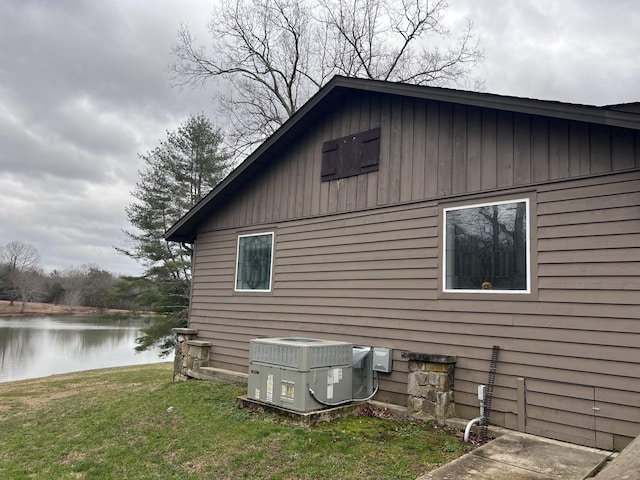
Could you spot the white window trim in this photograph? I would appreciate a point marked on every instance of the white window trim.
(489, 291)
(235, 281)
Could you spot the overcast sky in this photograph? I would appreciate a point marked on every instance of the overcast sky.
(84, 89)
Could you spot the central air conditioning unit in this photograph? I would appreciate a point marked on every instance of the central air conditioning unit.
(300, 374)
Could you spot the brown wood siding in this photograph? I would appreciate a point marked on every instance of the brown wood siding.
(429, 150)
(372, 277)
(359, 259)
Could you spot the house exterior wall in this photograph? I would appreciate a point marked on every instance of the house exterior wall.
(359, 259)
(429, 150)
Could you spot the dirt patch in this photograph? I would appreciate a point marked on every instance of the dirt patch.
(72, 458)
(196, 465)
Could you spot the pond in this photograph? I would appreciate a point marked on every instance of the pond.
(32, 347)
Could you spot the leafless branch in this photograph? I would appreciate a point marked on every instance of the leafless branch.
(274, 54)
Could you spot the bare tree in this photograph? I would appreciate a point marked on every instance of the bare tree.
(385, 40)
(31, 285)
(275, 54)
(18, 257)
(73, 282)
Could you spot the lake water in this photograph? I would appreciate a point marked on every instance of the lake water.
(40, 346)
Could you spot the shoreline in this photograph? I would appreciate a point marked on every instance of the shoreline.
(36, 308)
(61, 375)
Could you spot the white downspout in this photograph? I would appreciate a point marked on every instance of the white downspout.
(467, 430)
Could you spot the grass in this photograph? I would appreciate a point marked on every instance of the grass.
(115, 423)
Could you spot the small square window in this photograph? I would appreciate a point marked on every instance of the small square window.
(486, 248)
(255, 261)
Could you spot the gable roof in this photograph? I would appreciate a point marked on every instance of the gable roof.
(338, 87)
(633, 107)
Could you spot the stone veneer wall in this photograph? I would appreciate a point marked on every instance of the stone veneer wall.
(430, 385)
(190, 354)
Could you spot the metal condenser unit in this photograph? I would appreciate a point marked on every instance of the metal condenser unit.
(283, 370)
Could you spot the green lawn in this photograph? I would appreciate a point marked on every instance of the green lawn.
(114, 424)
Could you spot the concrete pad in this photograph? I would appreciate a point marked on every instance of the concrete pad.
(477, 468)
(548, 457)
(308, 418)
(519, 456)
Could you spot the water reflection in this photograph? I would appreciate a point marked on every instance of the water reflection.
(40, 346)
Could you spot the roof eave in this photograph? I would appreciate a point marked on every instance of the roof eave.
(547, 108)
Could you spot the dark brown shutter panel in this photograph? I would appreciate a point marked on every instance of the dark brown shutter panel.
(370, 151)
(329, 160)
(351, 155)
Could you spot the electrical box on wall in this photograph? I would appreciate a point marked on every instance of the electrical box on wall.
(382, 359)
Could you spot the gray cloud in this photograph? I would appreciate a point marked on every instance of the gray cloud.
(579, 51)
(84, 89)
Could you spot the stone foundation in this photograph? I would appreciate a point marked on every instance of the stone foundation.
(430, 385)
(190, 355)
(192, 359)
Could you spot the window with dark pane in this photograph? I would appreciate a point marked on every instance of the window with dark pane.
(486, 247)
(254, 262)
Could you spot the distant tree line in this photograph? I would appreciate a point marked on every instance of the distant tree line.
(23, 280)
